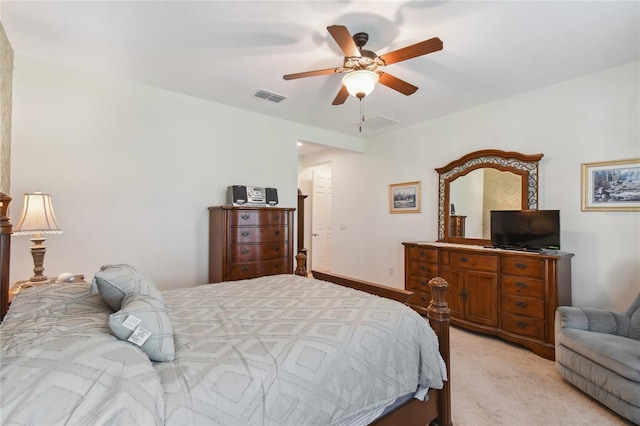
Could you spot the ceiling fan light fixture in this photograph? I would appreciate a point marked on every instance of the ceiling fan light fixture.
(360, 83)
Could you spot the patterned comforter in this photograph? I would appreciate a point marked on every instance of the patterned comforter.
(277, 350)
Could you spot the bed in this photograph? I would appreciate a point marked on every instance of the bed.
(275, 350)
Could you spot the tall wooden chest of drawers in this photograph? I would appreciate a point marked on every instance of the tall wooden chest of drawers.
(249, 242)
(510, 294)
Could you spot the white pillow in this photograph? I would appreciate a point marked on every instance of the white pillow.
(114, 282)
(144, 321)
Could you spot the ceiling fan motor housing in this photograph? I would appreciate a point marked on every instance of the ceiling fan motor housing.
(360, 39)
(367, 58)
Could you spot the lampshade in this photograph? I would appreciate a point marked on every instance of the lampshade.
(37, 216)
(360, 83)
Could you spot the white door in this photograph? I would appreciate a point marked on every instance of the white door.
(321, 222)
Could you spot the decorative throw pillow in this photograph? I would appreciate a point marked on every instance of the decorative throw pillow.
(144, 321)
(114, 282)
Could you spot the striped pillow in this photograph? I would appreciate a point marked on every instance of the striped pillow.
(114, 282)
(144, 321)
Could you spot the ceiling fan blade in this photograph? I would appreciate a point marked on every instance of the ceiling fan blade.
(312, 73)
(396, 84)
(418, 49)
(342, 96)
(342, 36)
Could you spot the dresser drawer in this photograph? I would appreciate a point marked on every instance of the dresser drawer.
(248, 252)
(263, 234)
(522, 306)
(423, 254)
(423, 269)
(420, 299)
(240, 271)
(257, 217)
(521, 286)
(525, 326)
(522, 266)
(478, 262)
(417, 283)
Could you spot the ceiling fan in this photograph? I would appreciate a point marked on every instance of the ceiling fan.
(362, 65)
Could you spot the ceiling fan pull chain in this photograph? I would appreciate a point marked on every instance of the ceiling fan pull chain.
(361, 113)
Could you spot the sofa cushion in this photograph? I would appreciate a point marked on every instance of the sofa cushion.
(592, 319)
(616, 353)
(634, 314)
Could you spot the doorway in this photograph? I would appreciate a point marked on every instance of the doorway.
(316, 182)
(321, 221)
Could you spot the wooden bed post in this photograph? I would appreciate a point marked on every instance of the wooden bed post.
(5, 251)
(438, 314)
(300, 269)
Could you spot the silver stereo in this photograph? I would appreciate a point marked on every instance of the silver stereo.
(240, 195)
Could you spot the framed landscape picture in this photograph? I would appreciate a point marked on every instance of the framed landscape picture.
(611, 185)
(404, 197)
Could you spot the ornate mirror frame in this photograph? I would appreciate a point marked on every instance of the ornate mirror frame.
(525, 165)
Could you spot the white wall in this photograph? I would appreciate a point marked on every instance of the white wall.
(593, 118)
(132, 169)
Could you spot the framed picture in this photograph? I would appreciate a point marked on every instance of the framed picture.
(611, 185)
(404, 197)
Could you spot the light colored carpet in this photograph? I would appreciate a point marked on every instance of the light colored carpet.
(494, 382)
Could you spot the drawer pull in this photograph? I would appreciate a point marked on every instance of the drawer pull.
(244, 269)
(521, 284)
(521, 265)
(464, 259)
(523, 324)
(276, 217)
(245, 233)
(277, 265)
(423, 268)
(423, 283)
(276, 248)
(277, 232)
(245, 216)
(423, 253)
(244, 251)
(424, 299)
(522, 304)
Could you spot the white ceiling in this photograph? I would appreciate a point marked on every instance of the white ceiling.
(227, 51)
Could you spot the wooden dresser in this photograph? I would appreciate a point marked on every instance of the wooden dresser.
(249, 242)
(510, 294)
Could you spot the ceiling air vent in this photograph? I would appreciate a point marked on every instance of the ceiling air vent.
(270, 96)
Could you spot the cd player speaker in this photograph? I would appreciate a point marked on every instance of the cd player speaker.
(238, 195)
(271, 196)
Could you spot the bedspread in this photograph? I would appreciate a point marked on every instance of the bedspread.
(277, 350)
(288, 350)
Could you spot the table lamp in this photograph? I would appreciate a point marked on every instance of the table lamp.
(37, 218)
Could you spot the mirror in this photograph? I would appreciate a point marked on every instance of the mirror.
(475, 194)
(475, 184)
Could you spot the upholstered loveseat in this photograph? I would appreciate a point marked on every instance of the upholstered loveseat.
(598, 351)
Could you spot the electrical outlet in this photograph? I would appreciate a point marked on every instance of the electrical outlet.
(390, 270)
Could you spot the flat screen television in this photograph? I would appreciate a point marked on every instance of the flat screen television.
(534, 230)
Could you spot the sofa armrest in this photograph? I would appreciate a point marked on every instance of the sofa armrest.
(592, 319)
